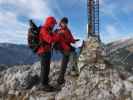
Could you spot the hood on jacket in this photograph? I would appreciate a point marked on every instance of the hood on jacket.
(50, 22)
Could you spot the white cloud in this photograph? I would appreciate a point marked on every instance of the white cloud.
(128, 8)
(109, 7)
(115, 30)
(11, 28)
(113, 34)
(55, 7)
(33, 8)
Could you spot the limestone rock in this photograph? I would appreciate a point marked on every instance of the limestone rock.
(98, 79)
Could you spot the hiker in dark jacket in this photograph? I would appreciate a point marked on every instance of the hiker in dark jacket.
(47, 38)
(64, 46)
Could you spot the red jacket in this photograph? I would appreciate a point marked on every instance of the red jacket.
(46, 37)
(66, 39)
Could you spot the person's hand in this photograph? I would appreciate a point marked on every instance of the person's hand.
(77, 40)
(56, 30)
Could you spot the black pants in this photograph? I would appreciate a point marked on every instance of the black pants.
(64, 64)
(45, 68)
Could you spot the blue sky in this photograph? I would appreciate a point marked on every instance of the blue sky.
(116, 18)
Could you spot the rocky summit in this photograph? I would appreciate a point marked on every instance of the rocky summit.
(98, 79)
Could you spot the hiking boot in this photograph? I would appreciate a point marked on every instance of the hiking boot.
(47, 88)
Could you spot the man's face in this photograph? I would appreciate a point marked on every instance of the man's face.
(63, 25)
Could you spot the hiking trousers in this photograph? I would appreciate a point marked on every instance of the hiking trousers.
(64, 64)
(45, 60)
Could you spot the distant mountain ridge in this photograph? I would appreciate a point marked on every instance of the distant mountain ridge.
(121, 52)
(15, 54)
(123, 43)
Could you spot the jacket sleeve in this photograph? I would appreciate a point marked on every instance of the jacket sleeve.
(45, 36)
(56, 37)
(71, 38)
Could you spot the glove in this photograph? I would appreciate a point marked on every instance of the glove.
(77, 40)
(56, 30)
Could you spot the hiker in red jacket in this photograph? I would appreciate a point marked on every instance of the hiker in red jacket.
(64, 46)
(47, 38)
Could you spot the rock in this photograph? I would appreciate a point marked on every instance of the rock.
(128, 86)
(4, 90)
(118, 89)
(132, 94)
(130, 79)
(25, 77)
(34, 88)
(22, 77)
(98, 79)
